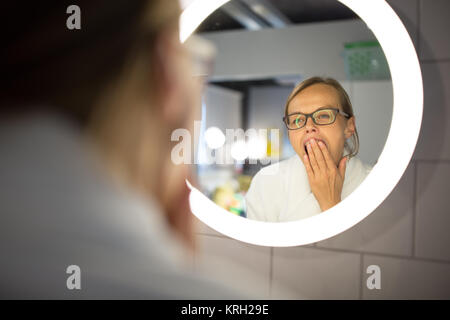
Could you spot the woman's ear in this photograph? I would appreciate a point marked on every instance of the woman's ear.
(350, 127)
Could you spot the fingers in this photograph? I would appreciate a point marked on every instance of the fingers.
(329, 162)
(312, 158)
(308, 167)
(318, 156)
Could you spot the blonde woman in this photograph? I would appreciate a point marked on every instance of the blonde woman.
(322, 130)
(91, 204)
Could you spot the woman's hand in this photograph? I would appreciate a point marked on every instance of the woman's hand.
(325, 178)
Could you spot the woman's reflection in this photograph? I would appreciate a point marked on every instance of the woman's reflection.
(321, 123)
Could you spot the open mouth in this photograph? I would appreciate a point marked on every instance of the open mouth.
(307, 142)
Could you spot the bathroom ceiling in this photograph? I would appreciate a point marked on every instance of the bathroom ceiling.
(258, 14)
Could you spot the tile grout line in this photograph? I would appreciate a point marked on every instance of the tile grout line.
(386, 255)
(213, 235)
(439, 60)
(271, 272)
(361, 276)
(378, 254)
(433, 160)
(415, 192)
(419, 53)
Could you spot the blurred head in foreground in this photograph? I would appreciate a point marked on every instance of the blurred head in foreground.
(123, 78)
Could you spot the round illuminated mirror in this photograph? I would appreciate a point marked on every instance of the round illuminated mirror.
(310, 114)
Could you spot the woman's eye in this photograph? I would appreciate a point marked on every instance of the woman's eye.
(324, 116)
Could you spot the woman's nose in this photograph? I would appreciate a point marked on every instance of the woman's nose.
(310, 126)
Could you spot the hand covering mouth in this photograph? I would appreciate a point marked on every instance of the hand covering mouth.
(308, 141)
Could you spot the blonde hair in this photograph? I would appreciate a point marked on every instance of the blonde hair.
(65, 70)
(105, 79)
(112, 57)
(344, 101)
(127, 130)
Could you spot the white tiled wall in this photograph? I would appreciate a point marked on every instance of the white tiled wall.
(232, 260)
(408, 236)
(434, 25)
(316, 274)
(372, 104)
(434, 140)
(408, 279)
(433, 211)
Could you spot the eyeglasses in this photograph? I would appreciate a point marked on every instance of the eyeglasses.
(320, 117)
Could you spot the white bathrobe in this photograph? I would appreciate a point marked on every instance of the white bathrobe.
(281, 192)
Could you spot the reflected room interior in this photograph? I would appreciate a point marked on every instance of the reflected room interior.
(264, 48)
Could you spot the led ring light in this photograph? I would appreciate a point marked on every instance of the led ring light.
(406, 120)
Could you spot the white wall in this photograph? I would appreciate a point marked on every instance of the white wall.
(223, 108)
(266, 106)
(372, 103)
(265, 111)
(307, 50)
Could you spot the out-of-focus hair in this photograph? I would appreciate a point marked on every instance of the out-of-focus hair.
(45, 66)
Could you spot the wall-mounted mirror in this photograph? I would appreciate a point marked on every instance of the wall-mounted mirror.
(286, 75)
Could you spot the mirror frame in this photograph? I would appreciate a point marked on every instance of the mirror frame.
(392, 163)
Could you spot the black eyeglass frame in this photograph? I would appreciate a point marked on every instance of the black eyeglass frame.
(310, 115)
